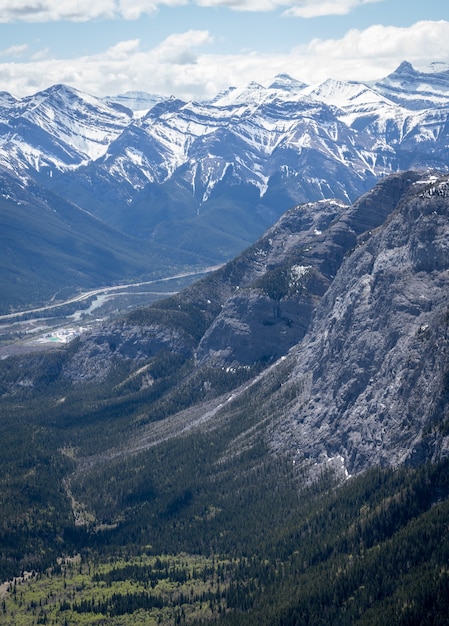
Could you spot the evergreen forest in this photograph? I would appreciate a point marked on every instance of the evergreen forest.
(199, 529)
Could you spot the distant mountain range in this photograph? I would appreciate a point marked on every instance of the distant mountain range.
(205, 179)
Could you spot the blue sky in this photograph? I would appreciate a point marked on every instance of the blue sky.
(195, 48)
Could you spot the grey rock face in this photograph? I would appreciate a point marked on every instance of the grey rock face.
(271, 305)
(99, 352)
(374, 368)
(286, 274)
(252, 327)
(356, 302)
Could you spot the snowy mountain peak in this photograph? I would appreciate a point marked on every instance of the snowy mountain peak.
(415, 89)
(64, 95)
(135, 100)
(222, 95)
(65, 100)
(404, 69)
(286, 82)
(253, 93)
(408, 78)
(343, 93)
(60, 128)
(283, 87)
(7, 102)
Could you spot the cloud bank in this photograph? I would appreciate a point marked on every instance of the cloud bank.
(86, 10)
(79, 10)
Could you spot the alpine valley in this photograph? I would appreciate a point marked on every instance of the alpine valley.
(270, 444)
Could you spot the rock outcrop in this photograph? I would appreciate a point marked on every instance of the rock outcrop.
(288, 271)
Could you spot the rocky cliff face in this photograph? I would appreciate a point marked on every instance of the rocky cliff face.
(374, 368)
(288, 271)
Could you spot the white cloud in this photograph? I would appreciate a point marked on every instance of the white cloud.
(133, 9)
(181, 65)
(180, 49)
(85, 10)
(423, 42)
(54, 10)
(78, 10)
(173, 67)
(122, 51)
(295, 8)
(41, 54)
(320, 8)
(14, 51)
(246, 5)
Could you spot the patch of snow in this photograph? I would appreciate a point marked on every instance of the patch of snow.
(297, 273)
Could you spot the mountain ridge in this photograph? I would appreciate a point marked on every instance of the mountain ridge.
(186, 165)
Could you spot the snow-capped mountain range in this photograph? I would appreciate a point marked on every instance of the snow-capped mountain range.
(148, 164)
